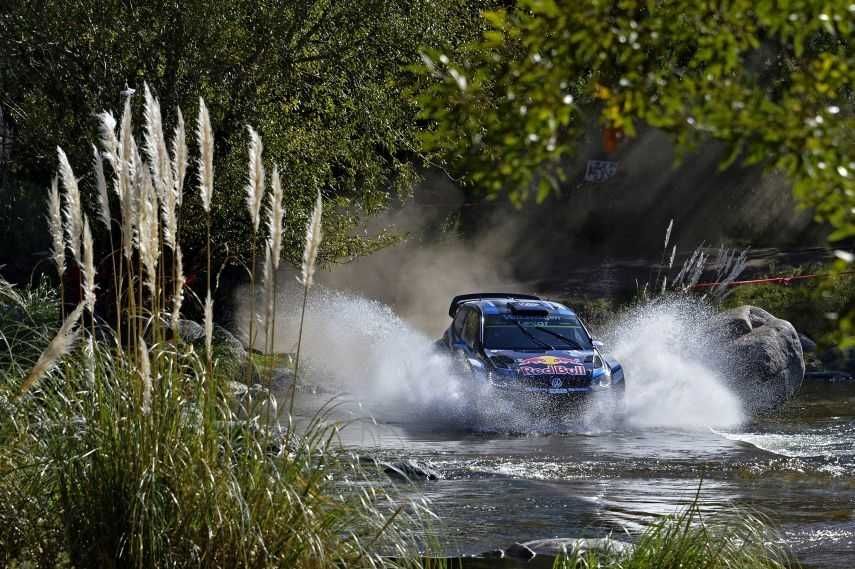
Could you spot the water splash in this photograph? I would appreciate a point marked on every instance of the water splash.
(673, 377)
(361, 348)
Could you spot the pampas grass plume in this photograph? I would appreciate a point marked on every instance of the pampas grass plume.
(145, 374)
(57, 349)
(205, 139)
(314, 234)
(155, 149)
(179, 157)
(209, 325)
(73, 214)
(178, 296)
(148, 242)
(255, 184)
(101, 186)
(275, 215)
(55, 226)
(107, 128)
(89, 361)
(161, 167)
(88, 267)
(127, 201)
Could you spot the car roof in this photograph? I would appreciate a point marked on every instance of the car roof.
(498, 306)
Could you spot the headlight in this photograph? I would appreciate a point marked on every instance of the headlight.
(601, 373)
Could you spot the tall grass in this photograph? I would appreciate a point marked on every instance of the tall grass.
(688, 540)
(138, 453)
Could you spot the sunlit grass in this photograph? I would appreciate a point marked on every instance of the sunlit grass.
(124, 446)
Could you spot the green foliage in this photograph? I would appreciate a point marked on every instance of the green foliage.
(28, 318)
(811, 306)
(321, 81)
(773, 80)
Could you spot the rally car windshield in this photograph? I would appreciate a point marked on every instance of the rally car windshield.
(511, 332)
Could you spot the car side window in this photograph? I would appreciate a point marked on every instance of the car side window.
(472, 328)
(459, 319)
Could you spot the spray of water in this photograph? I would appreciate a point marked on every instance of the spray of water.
(673, 370)
(362, 349)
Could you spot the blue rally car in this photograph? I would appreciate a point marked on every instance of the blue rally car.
(522, 344)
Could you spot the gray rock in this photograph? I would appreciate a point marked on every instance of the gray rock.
(237, 389)
(520, 551)
(191, 332)
(228, 343)
(764, 355)
(410, 471)
(569, 546)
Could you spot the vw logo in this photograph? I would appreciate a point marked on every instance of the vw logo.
(556, 382)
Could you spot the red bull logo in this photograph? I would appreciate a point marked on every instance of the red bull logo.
(548, 361)
(551, 365)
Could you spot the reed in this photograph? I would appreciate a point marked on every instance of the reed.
(59, 347)
(178, 291)
(89, 284)
(56, 230)
(179, 157)
(314, 235)
(275, 219)
(254, 199)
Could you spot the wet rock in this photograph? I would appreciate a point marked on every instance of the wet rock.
(570, 546)
(410, 470)
(520, 551)
(764, 354)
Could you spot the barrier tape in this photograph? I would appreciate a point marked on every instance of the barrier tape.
(773, 280)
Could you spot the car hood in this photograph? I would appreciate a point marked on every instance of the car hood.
(513, 359)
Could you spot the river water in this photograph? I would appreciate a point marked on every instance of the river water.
(796, 466)
(511, 476)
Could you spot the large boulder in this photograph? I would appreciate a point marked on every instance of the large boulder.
(763, 355)
(228, 344)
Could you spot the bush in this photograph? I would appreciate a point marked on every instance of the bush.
(809, 305)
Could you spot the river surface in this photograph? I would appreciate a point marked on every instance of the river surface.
(511, 475)
(797, 466)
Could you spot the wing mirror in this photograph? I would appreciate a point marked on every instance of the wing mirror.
(597, 343)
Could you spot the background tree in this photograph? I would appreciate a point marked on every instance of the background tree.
(772, 79)
(322, 81)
